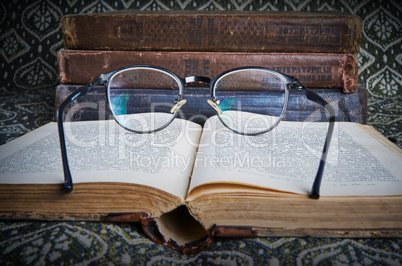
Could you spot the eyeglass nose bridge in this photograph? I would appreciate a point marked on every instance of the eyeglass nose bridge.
(201, 79)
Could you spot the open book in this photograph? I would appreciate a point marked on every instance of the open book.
(187, 184)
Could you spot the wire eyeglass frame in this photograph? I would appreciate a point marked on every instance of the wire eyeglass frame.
(290, 84)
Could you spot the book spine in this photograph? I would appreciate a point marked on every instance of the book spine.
(315, 70)
(350, 107)
(230, 31)
(151, 229)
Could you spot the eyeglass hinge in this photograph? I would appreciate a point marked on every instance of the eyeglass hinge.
(99, 80)
(296, 85)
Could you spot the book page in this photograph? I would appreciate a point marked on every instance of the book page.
(102, 151)
(287, 159)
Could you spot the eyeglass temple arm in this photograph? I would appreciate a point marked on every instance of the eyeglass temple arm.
(68, 181)
(312, 96)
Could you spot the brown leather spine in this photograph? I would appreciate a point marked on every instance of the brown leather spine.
(315, 70)
(259, 31)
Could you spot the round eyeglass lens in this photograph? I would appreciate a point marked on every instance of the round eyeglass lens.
(251, 101)
(143, 99)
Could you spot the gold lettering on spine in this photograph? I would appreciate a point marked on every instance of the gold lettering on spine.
(307, 73)
(309, 34)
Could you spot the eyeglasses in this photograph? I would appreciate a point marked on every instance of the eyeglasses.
(231, 93)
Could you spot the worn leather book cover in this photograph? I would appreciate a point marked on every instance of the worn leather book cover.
(252, 31)
(314, 70)
(351, 107)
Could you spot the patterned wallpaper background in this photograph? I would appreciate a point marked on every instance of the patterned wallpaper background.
(30, 36)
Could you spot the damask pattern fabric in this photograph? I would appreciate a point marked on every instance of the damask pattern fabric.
(30, 36)
(97, 243)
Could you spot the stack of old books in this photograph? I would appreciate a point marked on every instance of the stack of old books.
(318, 48)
